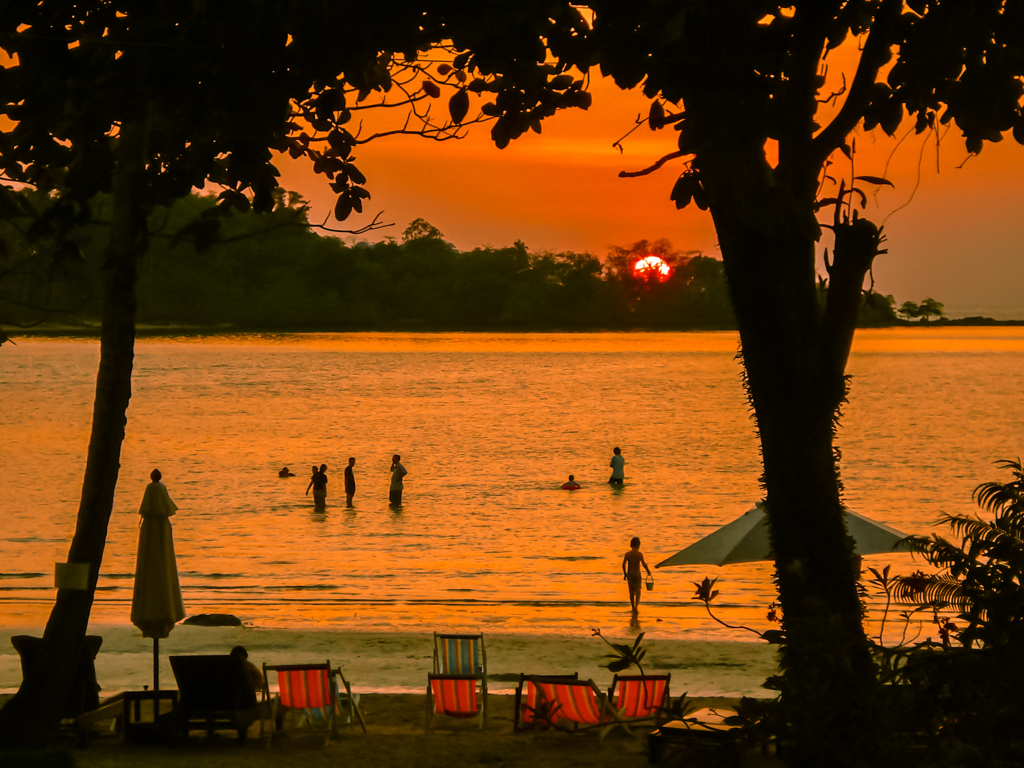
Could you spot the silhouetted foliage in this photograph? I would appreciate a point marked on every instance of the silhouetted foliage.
(269, 271)
(729, 79)
(962, 695)
(146, 102)
(925, 310)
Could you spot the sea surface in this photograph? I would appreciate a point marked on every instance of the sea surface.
(489, 426)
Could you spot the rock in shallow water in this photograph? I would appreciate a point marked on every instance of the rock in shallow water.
(213, 620)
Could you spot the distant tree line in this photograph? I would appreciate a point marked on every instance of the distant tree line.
(273, 272)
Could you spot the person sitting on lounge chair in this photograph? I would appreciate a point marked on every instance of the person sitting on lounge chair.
(255, 676)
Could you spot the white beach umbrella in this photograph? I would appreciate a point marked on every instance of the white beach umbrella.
(745, 540)
(156, 600)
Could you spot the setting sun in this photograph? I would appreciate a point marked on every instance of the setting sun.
(648, 267)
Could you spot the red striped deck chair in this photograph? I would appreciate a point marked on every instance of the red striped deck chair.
(459, 655)
(348, 706)
(302, 687)
(640, 697)
(455, 696)
(573, 705)
(529, 697)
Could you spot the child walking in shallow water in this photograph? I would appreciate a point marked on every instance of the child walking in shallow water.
(631, 562)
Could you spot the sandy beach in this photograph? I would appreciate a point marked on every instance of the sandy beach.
(395, 737)
(389, 671)
(399, 662)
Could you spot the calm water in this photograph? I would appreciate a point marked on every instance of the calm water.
(488, 426)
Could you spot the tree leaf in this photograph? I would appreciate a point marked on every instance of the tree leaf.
(875, 180)
(458, 106)
(656, 117)
(618, 666)
(343, 208)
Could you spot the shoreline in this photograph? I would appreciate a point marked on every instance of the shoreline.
(398, 662)
(92, 330)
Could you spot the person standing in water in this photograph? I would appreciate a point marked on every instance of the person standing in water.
(617, 463)
(319, 485)
(350, 482)
(397, 486)
(631, 562)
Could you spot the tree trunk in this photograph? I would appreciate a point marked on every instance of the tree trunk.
(32, 716)
(794, 353)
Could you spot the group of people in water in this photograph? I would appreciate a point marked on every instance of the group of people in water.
(632, 561)
(318, 482)
(617, 464)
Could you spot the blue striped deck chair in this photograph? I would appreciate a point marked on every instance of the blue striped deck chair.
(461, 655)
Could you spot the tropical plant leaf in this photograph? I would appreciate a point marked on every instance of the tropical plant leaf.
(875, 180)
(618, 666)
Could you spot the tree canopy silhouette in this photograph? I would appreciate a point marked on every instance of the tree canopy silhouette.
(148, 101)
(730, 79)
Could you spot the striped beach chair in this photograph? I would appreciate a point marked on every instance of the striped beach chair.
(459, 655)
(461, 696)
(348, 706)
(640, 697)
(305, 687)
(574, 705)
(529, 714)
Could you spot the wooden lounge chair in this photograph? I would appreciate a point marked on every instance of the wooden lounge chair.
(572, 705)
(312, 689)
(460, 696)
(215, 694)
(640, 698)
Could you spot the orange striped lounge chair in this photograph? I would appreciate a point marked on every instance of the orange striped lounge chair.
(640, 697)
(530, 714)
(302, 687)
(462, 696)
(348, 705)
(573, 705)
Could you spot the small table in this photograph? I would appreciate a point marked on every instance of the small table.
(676, 736)
(157, 727)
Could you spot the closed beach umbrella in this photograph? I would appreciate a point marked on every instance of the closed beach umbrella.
(745, 540)
(156, 601)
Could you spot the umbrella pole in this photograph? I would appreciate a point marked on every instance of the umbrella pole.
(156, 663)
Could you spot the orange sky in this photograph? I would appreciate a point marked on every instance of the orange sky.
(957, 241)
